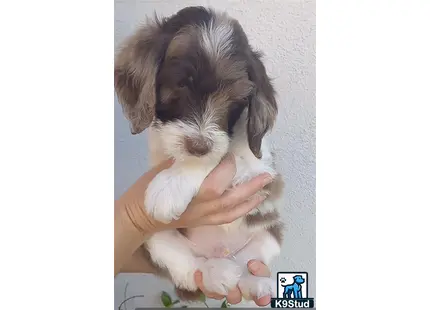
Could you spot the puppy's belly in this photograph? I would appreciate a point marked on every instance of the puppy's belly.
(216, 242)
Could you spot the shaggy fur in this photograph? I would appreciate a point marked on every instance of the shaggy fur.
(203, 91)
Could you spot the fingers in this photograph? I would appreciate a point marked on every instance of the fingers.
(234, 204)
(232, 214)
(263, 301)
(198, 278)
(219, 179)
(258, 269)
(234, 296)
(243, 191)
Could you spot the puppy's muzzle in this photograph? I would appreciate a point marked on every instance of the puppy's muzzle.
(198, 146)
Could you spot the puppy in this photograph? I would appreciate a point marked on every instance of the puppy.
(194, 80)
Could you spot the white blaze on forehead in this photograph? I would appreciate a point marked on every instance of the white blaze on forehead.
(216, 37)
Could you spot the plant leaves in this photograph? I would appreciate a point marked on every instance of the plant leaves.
(225, 304)
(202, 297)
(166, 299)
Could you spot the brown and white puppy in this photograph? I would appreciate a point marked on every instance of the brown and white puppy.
(194, 80)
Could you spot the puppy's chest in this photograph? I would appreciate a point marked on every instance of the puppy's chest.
(217, 242)
(248, 166)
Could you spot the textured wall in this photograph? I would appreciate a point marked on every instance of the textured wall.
(285, 31)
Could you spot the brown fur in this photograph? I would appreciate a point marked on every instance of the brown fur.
(271, 221)
(182, 41)
(262, 107)
(258, 219)
(275, 188)
(135, 74)
(277, 231)
(163, 73)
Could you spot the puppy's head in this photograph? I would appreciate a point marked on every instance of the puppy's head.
(299, 279)
(191, 76)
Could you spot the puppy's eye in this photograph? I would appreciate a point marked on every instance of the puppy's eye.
(181, 84)
(186, 82)
(242, 101)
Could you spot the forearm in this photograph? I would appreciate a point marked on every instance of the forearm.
(132, 224)
(128, 237)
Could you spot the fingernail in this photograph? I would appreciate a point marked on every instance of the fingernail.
(228, 157)
(261, 198)
(253, 266)
(171, 160)
(268, 179)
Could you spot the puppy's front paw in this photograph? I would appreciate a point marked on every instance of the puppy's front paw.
(252, 286)
(169, 194)
(220, 275)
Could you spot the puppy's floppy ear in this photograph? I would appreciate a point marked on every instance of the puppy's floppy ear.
(136, 67)
(263, 109)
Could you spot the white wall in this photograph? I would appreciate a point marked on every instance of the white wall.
(285, 31)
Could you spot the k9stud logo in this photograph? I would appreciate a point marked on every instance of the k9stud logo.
(292, 291)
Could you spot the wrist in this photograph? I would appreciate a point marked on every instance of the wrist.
(131, 230)
(131, 222)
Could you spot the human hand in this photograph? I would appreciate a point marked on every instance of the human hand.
(216, 204)
(234, 296)
(213, 205)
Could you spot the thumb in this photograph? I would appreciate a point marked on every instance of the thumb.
(219, 179)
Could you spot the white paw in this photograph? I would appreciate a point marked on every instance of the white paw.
(252, 286)
(220, 275)
(184, 279)
(169, 194)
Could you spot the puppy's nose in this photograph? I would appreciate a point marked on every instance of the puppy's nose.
(197, 146)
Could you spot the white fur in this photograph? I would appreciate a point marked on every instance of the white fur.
(169, 252)
(170, 192)
(264, 248)
(216, 37)
(247, 165)
(168, 195)
(251, 286)
(220, 275)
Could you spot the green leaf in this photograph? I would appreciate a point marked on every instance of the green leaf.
(202, 297)
(166, 299)
(225, 304)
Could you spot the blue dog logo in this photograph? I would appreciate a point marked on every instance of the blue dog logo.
(295, 288)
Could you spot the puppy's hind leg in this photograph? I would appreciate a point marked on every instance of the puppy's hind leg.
(169, 251)
(263, 248)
